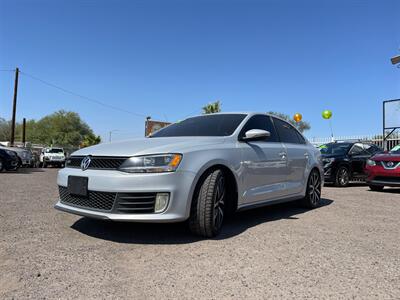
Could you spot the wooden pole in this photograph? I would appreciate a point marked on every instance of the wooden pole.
(23, 131)
(14, 111)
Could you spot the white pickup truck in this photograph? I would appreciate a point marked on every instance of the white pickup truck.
(52, 156)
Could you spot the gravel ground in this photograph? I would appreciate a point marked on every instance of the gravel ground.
(348, 248)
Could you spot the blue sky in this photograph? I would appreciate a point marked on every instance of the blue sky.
(167, 59)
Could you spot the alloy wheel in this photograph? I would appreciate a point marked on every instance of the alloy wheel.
(343, 176)
(219, 203)
(314, 189)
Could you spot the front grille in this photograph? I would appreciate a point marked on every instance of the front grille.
(393, 179)
(135, 203)
(97, 162)
(125, 203)
(95, 200)
(390, 164)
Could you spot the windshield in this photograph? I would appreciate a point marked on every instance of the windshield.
(208, 125)
(395, 150)
(335, 148)
(54, 150)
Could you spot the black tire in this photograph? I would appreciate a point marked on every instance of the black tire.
(208, 205)
(312, 198)
(1, 165)
(44, 164)
(376, 188)
(342, 177)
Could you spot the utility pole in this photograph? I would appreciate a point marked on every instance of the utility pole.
(14, 111)
(23, 131)
(110, 134)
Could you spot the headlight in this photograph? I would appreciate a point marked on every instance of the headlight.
(152, 163)
(11, 153)
(371, 162)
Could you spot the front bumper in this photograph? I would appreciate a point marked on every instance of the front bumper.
(328, 174)
(378, 175)
(178, 184)
(54, 161)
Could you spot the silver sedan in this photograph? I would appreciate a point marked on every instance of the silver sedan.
(200, 169)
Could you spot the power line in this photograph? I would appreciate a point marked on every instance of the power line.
(9, 70)
(81, 96)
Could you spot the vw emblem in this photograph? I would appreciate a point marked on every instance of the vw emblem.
(390, 164)
(86, 163)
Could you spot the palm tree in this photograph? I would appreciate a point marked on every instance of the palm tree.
(212, 108)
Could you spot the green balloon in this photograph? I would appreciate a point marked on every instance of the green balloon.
(327, 114)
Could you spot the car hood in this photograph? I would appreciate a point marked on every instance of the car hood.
(23, 153)
(144, 146)
(386, 157)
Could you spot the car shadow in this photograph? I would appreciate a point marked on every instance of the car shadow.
(388, 190)
(351, 184)
(178, 233)
(28, 170)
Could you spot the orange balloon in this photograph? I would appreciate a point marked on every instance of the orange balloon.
(297, 117)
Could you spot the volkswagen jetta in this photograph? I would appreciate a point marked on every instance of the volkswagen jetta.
(200, 169)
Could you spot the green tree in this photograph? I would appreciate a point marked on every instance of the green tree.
(5, 130)
(301, 126)
(90, 140)
(212, 108)
(61, 128)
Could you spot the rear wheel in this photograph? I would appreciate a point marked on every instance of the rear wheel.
(208, 205)
(44, 164)
(376, 188)
(1, 165)
(313, 193)
(342, 177)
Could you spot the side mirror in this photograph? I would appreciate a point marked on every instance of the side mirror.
(256, 134)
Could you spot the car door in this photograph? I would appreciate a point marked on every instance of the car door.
(263, 163)
(297, 156)
(358, 158)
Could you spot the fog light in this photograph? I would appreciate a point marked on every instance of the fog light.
(161, 202)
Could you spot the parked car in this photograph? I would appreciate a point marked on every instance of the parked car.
(24, 155)
(199, 169)
(384, 170)
(8, 160)
(346, 161)
(52, 156)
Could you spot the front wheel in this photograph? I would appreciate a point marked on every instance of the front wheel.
(313, 192)
(342, 177)
(376, 188)
(1, 165)
(208, 205)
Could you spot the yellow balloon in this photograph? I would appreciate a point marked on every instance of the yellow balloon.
(297, 117)
(327, 114)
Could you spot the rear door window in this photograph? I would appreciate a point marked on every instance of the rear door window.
(372, 149)
(287, 133)
(358, 149)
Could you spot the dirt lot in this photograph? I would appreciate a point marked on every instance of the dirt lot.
(348, 248)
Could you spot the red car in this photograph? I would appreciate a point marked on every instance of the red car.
(384, 170)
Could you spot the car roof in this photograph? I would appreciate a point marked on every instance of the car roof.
(248, 113)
